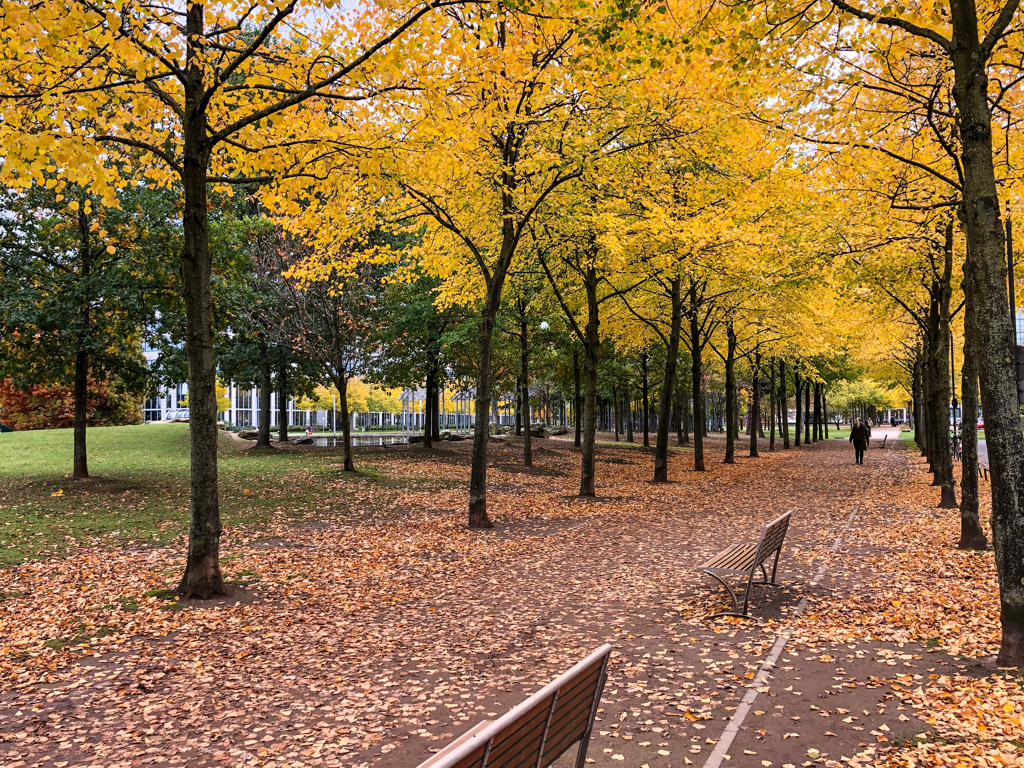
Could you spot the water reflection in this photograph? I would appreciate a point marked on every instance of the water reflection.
(359, 441)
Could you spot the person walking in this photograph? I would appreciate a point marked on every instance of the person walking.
(859, 437)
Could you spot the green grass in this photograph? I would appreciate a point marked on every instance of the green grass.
(140, 489)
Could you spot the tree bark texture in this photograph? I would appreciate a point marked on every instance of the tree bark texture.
(524, 342)
(577, 402)
(629, 417)
(591, 343)
(731, 423)
(81, 463)
(263, 438)
(341, 384)
(429, 409)
(645, 401)
(696, 388)
(797, 386)
(808, 417)
(667, 394)
(755, 405)
(202, 577)
(938, 369)
(282, 405)
(783, 406)
(971, 534)
(996, 345)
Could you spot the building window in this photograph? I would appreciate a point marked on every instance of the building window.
(151, 409)
(243, 407)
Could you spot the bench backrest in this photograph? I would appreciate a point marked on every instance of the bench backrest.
(538, 731)
(771, 539)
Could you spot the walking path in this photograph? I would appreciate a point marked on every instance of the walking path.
(378, 644)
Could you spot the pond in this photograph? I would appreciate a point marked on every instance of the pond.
(359, 441)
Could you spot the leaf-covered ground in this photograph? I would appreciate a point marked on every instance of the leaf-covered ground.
(371, 627)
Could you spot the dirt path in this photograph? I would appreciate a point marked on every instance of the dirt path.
(376, 645)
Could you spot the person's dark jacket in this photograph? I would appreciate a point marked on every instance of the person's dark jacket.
(859, 437)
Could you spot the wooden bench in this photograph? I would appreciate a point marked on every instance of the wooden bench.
(538, 731)
(745, 559)
(881, 443)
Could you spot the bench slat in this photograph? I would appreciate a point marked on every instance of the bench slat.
(535, 733)
(568, 733)
(520, 737)
(736, 557)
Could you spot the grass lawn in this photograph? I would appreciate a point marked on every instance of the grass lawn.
(140, 491)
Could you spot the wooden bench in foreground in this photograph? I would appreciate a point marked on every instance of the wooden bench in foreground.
(538, 731)
(745, 559)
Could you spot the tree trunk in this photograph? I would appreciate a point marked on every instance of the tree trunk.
(731, 422)
(525, 393)
(807, 411)
(695, 372)
(667, 393)
(478, 470)
(920, 419)
(645, 401)
(282, 405)
(684, 407)
(576, 402)
(939, 326)
(81, 465)
(799, 412)
(629, 417)
(772, 404)
(591, 343)
(996, 345)
(680, 438)
(755, 406)
(263, 438)
(429, 409)
(971, 534)
(616, 411)
(519, 406)
(341, 384)
(435, 419)
(202, 577)
(816, 419)
(824, 413)
(783, 406)
(80, 462)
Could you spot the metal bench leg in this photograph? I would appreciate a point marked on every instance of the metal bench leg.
(746, 594)
(735, 602)
(581, 756)
(775, 566)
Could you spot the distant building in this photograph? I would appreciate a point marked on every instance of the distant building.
(243, 412)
